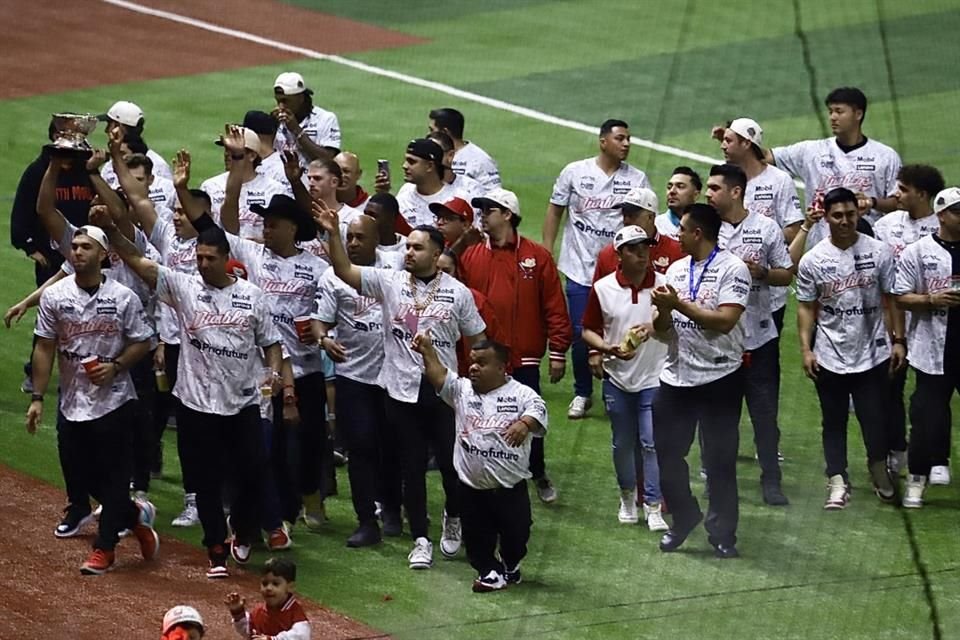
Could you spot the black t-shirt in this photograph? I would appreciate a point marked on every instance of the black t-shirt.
(951, 351)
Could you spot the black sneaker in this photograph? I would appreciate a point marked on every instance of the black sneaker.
(392, 524)
(512, 576)
(493, 581)
(74, 519)
(773, 495)
(366, 535)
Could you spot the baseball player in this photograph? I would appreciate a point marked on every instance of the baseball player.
(588, 190)
(469, 159)
(128, 118)
(98, 330)
(683, 189)
(313, 132)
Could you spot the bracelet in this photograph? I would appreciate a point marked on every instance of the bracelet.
(873, 202)
(36, 397)
(804, 229)
(238, 156)
(902, 341)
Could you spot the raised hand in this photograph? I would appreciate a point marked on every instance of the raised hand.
(97, 160)
(325, 217)
(233, 140)
(181, 169)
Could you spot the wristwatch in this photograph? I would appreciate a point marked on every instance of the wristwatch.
(36, 397)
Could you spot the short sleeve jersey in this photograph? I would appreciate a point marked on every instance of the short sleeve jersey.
(822, 165)
(695, 355)
(847, 285)
(221, 332)
(83, 325)
(321, 126)
(443, 307)
(290, 289)
(415, 207)
(757, 239)
(181, 256)
(481, 456)
(926, 267)
(474, 162)
(589, 195)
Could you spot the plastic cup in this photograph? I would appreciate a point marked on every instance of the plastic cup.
(90, 363)
(163, 384)
(302, 325)
(266, 382)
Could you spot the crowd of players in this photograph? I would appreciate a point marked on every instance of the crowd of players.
(250, 307)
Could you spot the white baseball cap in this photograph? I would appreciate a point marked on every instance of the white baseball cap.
(640, 197)
(949, 197)
(179, 615)
(126, 113)
(251, 140)
(94, 233)
(631, 234)
(749, 129)
(499, 198)
(290, 83)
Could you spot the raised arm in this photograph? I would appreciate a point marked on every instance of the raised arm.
(52, 220)
(432, 367)
(326, 219)
(230, 209)
(148, 270)
(294, 173)
(138, 193)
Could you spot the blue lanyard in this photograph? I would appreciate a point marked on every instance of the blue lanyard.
(694, 289)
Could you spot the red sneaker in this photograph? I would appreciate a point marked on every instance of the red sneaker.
(279, 539)
(98, 563)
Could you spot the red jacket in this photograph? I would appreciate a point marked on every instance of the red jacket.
(522, 284)
(663, 254)
(493, 332)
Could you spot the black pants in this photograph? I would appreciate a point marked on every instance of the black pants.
(930, 419)
(298, 450)
(428, 421)
(100, 450)
(778, 319)
(492, 516)
(868, 389)
(529, 376)
(762, 390)
(715, 407)
(373, 468)
(221, 448)
(896, 413)
(144, 431)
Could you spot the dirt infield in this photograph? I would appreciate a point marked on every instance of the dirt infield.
(54, 46)
(46, 597)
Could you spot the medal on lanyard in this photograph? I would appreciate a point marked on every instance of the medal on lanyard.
(694, 289)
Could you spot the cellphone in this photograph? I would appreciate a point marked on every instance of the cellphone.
(383, 166)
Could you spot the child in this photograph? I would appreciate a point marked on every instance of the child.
(182, 623)
(280, 617)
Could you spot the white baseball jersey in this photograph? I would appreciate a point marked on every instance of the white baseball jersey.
(450, 314)
(260, 191)
(469, 189)
(822, 165)
(85, 325)
(898, 230)
(320, 126)
(221, 332)
(181, 256)
(847, 286)
(415, 207)
(161, 169)
(695, 355)
(667, 225)
(474, 162)
(757, 239)
(289, 287)
(925, 266)
(624, 307)
(272, 167)
(589, 195)
(400, 246)
(773, 194)
(481, 456)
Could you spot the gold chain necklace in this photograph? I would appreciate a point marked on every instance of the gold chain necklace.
(434, 286)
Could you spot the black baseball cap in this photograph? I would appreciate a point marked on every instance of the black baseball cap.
(283, 206)
(260, 122)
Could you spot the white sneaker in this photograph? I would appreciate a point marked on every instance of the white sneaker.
(421, 556)
(628, 507)
(839, 494)
(897, 462)
(578, 407)
(940, 475)
(189, 517)
(654, 516)
(452, 536)
(913, 491)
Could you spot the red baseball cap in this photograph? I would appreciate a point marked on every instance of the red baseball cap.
(456, 206)
(236, 268)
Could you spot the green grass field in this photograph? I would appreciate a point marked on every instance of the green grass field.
(671, 70)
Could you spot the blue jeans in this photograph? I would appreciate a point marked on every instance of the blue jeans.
(577, 303)
(631, 421)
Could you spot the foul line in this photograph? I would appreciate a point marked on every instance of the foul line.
(407, 79)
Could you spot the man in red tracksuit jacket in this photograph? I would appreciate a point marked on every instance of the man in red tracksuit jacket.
(521, 282)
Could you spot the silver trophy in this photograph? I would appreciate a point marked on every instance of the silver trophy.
(70, 135)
